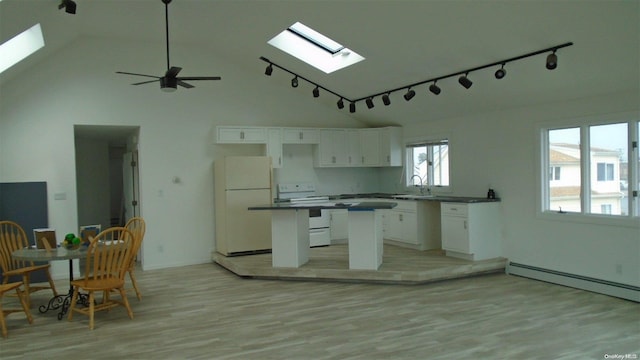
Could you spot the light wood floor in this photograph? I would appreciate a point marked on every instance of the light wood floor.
(206, 312)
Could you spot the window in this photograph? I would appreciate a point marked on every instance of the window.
(19, 47)
(314, 48)
(597, 176)
(428, 161)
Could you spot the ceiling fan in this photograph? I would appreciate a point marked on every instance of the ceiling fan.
(170, 81)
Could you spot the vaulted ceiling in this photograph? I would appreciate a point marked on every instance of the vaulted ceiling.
(403, 42)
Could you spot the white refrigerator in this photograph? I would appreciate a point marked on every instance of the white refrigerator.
(240, 182)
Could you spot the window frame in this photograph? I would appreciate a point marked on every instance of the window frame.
(543, 170)
(429, 179)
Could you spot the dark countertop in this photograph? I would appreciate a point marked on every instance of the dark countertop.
(438, 198)
(364, 205)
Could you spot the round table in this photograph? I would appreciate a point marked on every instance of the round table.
(61, 302)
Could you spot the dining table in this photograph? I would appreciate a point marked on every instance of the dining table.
(62, 301)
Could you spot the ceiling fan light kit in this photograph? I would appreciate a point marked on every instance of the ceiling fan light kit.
(463, 78)
(170, 81)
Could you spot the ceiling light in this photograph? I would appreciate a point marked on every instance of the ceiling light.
(552, 61)
(168, 84)
(316, 92)
(294, 82)
(409, 95)
(68, 5)
(369, 102)
(340, 104)
(268, 70)
(500, 73)
(435, 89)
(386, 100)
(464, 81)
(352, 107)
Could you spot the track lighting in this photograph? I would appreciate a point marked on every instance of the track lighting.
(464, 81)
(500, 73)
(409, 95)
(552, 61)
(463, 77)
(369, 102)
(68, 5)
(435, 89)
(385, 99)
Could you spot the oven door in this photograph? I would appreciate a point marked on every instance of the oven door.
(318, 218)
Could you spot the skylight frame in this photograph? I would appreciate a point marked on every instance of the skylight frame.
(20, 47)
(315, 49)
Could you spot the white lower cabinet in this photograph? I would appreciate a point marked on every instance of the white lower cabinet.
(413, 224)
(339, 225)
(471, 231)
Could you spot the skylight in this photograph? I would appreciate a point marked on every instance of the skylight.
(20, 46)
(314, 48)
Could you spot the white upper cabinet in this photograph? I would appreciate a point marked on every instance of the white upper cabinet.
(391, 146)
(241, 135)
(370, 147)
(300, 136)
(354, 157)
(274, 146)
(332, 150)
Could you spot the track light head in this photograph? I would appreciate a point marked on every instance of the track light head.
(294, 82)
(352, 107)
(268, 70)
(340, 104)
(316, 91)
(369, 102)
(435, 88)
(464, 81)
(552, 61)
(500, 73)
(409, 95)
(386, 100)
(68, 5)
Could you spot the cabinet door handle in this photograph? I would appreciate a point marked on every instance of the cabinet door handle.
(465, 224)
(363, 159)
(300, 136)
(400, 217)
(279, 160)
(241, 135)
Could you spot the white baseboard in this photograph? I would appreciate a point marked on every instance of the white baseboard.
(610, 288)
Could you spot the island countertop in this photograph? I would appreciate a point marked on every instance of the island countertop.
(354, 206)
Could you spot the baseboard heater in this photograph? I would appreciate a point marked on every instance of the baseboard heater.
(610, 288)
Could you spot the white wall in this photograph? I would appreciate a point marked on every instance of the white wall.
(78, 86)
(500, 149)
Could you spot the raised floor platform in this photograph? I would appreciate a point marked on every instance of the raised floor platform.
(331, 263)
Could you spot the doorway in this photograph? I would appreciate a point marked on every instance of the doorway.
(107, 181)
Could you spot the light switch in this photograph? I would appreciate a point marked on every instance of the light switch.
(60, 196)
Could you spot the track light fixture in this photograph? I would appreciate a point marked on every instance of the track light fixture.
(386, 100)
(464, 81)
(463, 77)
(500, 73)
(369, 102)
(68, 5)
(409, 95)
(435, 89)
(552, 61)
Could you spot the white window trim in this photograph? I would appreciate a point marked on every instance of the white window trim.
(542, 170)
(426, 139)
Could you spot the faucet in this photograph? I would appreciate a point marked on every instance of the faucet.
(421, 184)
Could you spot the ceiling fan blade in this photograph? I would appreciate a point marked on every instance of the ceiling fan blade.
(201, 78)
(173, 72)
(128, 73)
(184, 84)
(145, 82)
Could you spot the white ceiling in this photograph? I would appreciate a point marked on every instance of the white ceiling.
(404, 42)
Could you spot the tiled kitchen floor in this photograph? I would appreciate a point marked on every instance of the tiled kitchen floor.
(399, 265)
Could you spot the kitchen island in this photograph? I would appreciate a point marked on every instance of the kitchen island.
(290, 232)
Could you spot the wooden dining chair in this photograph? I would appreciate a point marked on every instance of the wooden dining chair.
(23, 301)
(12, 238)
(108, 258)
(137, 226)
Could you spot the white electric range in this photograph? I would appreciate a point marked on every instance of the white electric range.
(319, 222)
